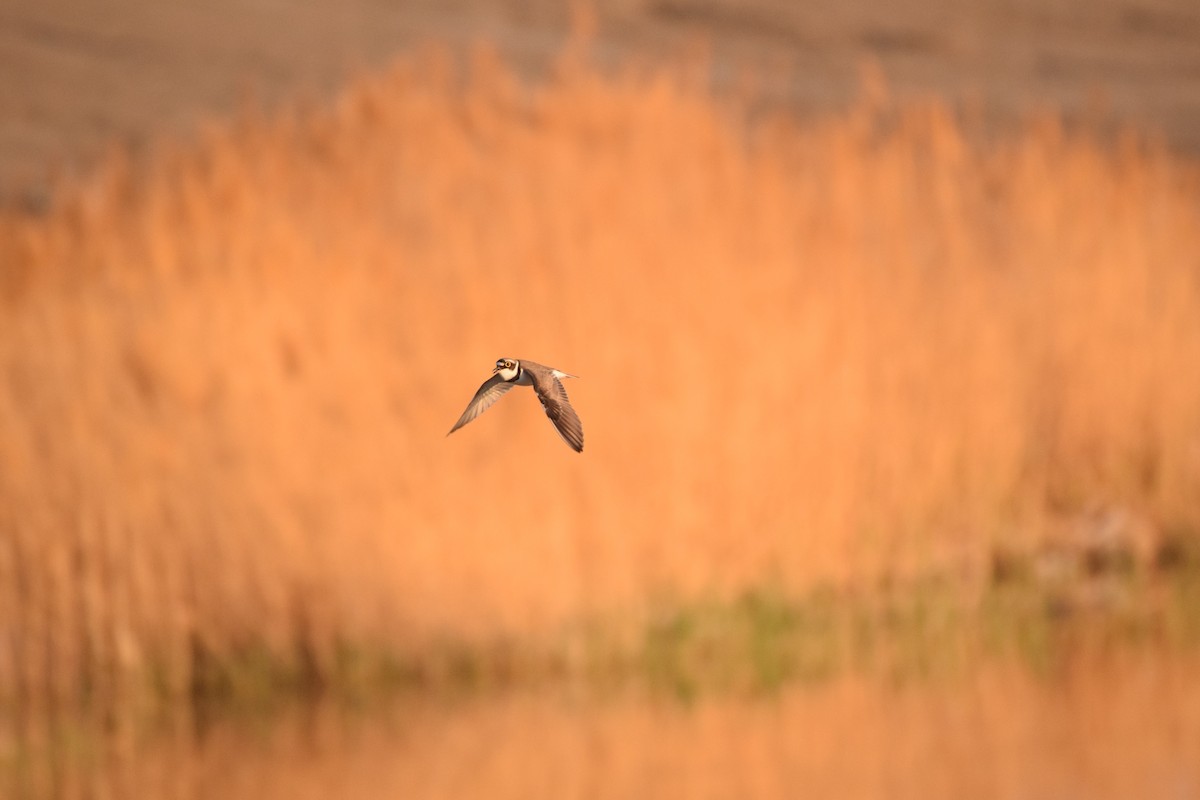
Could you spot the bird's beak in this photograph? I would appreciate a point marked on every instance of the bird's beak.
(495, 369)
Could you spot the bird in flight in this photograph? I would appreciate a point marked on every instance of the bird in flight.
(510, 372)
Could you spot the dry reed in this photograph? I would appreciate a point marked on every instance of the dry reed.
(810, 351)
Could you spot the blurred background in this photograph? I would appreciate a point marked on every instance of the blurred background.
(887, 317)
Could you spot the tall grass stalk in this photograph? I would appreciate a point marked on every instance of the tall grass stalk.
(810, 351)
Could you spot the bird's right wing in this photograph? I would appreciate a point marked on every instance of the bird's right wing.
(491, 391)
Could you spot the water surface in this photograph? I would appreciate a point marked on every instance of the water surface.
(1123, 726)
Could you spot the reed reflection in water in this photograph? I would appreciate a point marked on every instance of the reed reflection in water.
(1128, 727)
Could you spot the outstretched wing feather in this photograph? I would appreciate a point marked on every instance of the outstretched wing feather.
(491, 391)
(558, 408)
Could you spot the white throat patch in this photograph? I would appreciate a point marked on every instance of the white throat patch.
(510, 373)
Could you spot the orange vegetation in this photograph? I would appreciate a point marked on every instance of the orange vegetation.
(809, 351)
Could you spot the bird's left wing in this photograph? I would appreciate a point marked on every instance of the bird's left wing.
(558, 408)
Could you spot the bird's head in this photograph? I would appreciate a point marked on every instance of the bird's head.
(506, 368)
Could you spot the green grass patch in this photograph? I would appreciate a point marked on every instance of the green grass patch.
(1035, 610)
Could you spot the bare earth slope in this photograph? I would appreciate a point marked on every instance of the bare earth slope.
(76, 75)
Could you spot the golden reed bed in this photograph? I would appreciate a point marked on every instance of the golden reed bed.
(809, 351)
